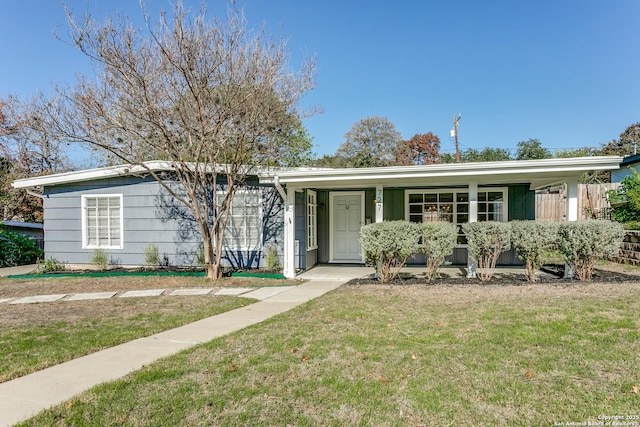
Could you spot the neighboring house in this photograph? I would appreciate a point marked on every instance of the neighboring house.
(31, 229)
(625, 165)
(312, 216)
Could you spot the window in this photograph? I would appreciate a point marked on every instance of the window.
(102, 221)
(491, 206)
(243, 226)
(312, 214)
(453, 206)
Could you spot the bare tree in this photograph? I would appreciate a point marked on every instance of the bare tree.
(24, 152)
(210, 97)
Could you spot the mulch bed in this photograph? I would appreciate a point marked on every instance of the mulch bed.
(552, 274)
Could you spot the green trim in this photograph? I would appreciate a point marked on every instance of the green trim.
(142, 274)
(258, 275)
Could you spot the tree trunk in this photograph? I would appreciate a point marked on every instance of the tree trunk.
(213, 271)
(211, 261)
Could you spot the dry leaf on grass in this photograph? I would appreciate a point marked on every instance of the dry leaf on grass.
(379, 378)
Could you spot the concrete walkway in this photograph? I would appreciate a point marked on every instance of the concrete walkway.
(24, 397)
(255, 293)
(21, 269)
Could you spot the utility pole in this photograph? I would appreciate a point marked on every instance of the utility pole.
(456, 119)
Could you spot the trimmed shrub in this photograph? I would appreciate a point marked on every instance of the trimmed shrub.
(531, 241)
(50, 265)
(437, 242)
(583, 243)
(271, 259)
(387, 245)
(17, 249)
(100, 259)
(151, 255)
(487, 240)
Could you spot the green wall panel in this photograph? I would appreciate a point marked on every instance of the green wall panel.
(521, 202)
(393, 199)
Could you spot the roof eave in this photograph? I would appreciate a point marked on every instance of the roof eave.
(90, 175)
(524, 171)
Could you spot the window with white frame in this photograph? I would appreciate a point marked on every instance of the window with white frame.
(491, 205)
(243, 230)
(312, 215)
(102, 221)
(453, 206)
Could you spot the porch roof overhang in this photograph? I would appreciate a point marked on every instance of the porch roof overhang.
(536, 173)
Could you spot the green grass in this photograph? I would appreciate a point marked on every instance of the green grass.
(83, 328)
(376, 355)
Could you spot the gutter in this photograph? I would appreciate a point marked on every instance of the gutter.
(34, 194)
(276, 182)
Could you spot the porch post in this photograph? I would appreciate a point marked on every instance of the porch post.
(379, 203)
(473, 217)
(571, 215)
(572, 199)
(473, 202)
(289, 234)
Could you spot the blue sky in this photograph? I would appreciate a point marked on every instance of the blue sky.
(565, 72)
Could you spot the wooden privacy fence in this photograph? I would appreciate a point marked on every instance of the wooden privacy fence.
(551, 203)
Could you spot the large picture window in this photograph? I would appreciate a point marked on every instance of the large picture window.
(453, 206)
(243, 226)
(102, 221)
(312, 215)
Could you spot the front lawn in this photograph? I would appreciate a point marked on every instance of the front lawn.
(36, 336)
(398, 355)
(52, 284)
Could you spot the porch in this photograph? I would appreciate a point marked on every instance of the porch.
(325, 208)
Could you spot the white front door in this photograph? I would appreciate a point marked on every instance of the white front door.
(347, 215)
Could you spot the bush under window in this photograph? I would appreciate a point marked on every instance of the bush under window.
(531, 240)
(438, 239)
(487, 240)
(388, 245)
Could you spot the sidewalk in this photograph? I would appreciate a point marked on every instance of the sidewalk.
(24, 397)
(21, 269)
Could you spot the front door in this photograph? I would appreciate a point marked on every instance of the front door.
(347, 215)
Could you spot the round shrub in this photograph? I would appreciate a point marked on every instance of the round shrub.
(437, 242)
(387, 245)
(487, 240)
(531, 240)
(583, 243)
